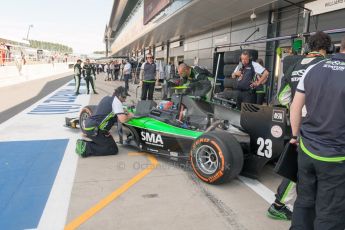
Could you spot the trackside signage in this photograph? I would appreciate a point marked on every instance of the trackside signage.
(324, 6)
(61, 102)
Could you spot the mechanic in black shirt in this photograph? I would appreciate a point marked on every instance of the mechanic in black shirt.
(318, 43)
(77, 75)
(108, 112)
(88, 71)
(245, 73)
(320, 202)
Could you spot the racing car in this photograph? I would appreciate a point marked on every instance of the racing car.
(219, 141)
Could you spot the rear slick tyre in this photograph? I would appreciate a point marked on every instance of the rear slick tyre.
(216, 157)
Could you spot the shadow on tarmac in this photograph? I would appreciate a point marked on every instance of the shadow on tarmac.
(48, 88)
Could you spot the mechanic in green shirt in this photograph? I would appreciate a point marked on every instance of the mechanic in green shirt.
(77, 75)
(88, 71)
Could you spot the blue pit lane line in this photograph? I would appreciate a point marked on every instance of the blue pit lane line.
(27, 173)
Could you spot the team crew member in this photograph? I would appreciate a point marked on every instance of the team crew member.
(318, 44)
(286, 192)
(127, 69)
(260, 85)
(245, 74)
(148, 76)
(77, 75)
(320, 202)
(88, 70)
(198, 84)
(109, 111)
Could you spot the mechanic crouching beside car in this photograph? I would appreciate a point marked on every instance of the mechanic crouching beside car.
(97, 127)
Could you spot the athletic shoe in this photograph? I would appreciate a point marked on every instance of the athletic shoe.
(281, 213)
(80, 147)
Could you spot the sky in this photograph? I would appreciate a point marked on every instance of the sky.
(79, 24)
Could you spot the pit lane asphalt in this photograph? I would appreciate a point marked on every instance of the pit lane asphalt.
(168, 197)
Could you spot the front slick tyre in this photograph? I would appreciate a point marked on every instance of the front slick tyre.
(216, 157)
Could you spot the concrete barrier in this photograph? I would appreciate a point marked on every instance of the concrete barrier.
(10, 75)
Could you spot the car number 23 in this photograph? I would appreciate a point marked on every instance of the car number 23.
(265, 147)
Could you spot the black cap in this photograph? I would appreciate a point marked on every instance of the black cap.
(121, 92)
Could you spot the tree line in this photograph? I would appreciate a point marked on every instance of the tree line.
(50, 46)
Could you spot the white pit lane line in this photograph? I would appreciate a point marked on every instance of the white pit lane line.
(259, 188)
(55, 212)
(46, 124)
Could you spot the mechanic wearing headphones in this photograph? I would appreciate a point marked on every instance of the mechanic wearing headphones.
(245, 73)
(320, 203)
(318, 44)
(108, 111)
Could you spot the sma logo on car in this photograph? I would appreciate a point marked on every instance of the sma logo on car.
(151, 138)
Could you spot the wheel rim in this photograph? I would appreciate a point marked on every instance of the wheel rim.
(206, 159)
(84, 116)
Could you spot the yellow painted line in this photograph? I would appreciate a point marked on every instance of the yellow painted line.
(108, 199)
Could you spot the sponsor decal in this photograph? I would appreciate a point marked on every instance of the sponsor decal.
(152, 138)
(324, 6)
(295, 79)
(216, 176)
(201, 140)
(278, 116)
(335, 65)
(156, 113)
(276, 131)
(307, 60)
(298, 72)
(174, 154)
(152, 150)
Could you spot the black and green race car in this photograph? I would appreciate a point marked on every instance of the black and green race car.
(220, 142)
